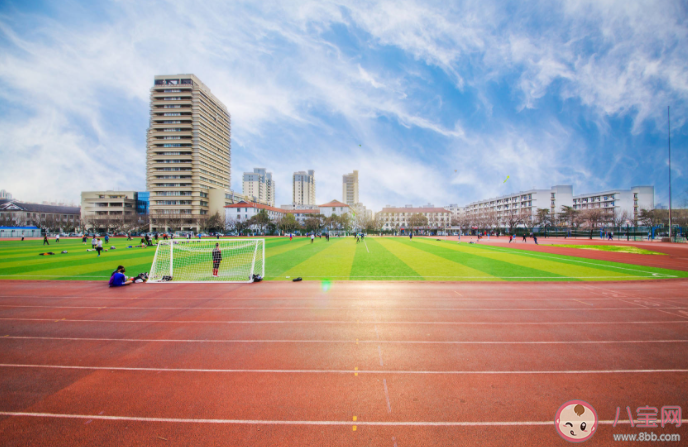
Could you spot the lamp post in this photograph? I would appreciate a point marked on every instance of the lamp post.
(669, 125)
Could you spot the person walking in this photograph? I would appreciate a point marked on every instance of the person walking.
(535, 240)
(128, 236)
(99, 247)
(312, 237)
(525, 237)
(45, 239)
(511, 237)
(217, 259)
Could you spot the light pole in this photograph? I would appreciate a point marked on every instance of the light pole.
(669, 125)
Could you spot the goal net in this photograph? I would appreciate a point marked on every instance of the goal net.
(235, 260)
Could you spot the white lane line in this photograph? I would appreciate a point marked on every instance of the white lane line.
(442, 309)
(282, 422)
(389, 406)
(347, 341)
(439, 323)
(685, 314)
(365, 298)
(366, 245)
(637, 304)
(564, 258)
(337, 371)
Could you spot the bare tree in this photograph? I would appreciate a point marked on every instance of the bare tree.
(417, 220)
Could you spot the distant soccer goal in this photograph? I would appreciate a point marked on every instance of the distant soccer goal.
(209, 260)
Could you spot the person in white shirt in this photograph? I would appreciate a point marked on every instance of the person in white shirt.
(57, 238)
(312, 237)
(99, 246)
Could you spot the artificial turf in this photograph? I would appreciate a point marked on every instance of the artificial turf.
(613, 248)
(378, 258)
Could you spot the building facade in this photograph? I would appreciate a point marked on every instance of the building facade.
(397, 218)
(523, 204)
(350, 188)
(618, 201)
(53, 217)
(334, 207)
(243, 211)
(303, 192)
(111, 204)
(259, 185)
(5, 194)
(188, 151)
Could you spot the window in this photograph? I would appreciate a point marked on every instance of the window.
(172, 114)
(172, 106)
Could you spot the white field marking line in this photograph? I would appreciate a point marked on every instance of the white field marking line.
(338, 371)
(366, 298)
(366, 245)
(560, 258)
(466, 323)
(389, 406)
(282, 422)
(588, 304)
(674, 315)
(443, 309)
(418, 277)
(348, 341)
(637, 304)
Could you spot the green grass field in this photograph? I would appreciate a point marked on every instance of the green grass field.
(612, 248)
(385, 258)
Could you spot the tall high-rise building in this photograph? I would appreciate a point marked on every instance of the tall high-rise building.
(259, 185)
(304, 188)
(350, 188)
(5, 194)
(189, 152)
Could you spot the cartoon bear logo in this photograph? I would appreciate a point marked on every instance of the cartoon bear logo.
(576, 421)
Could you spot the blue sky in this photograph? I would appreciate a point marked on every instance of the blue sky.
(445, 99)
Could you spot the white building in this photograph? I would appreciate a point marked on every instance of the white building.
(259, 185)
(524, 203)
(334, 207)
(618, 201)
(350, 188)
(5, 194)
(455, 210)
(304, 188)
(245, 210)
(396, 218)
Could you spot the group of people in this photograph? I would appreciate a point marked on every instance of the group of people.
(525, 237)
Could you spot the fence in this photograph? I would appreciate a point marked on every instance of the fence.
(641, 233)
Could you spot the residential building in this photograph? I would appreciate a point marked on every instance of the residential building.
(189, 152)
(302, 214)
(293, 206)
(618, 201)
(397, 218)
(334, 207)
(360, 211)
(110, 204)
(14, 213)
(5, 194)
(304, 188)
(259, 185)
(456, 211)
(243, 211)
(350, 188)
(523, 204)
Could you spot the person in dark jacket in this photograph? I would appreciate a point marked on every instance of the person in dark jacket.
(217, 259)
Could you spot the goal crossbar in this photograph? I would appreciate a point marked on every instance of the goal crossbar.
(208, 261)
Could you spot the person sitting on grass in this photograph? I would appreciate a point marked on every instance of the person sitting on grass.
(118, 278)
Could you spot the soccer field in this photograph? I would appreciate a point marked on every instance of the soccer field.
(378, 258)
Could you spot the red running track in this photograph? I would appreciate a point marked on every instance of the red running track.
(292, 364)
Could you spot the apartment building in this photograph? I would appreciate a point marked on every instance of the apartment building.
(5, 194)
(350, 188)
(398, 218)
(259, 185)
(524, 204)
(618, 201)
(108, 203)
(304, 188)
(188, 151)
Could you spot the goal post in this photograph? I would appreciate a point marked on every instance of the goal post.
(191, 261)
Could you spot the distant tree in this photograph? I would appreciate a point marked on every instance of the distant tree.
(543, 217)
(568, 215)
(287, 223)
(650, 218)
(417, 220)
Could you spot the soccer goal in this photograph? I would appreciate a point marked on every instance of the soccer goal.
(233, 260)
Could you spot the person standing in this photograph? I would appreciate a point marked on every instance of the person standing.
(99, 246)
(57, 238)
(128, 236)
(45, 239)
(312, 237)
(511, 238)
(107, 238)
(217, 259)
(84, 239)
(535, 240)
(93, 242)
(525, 237)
